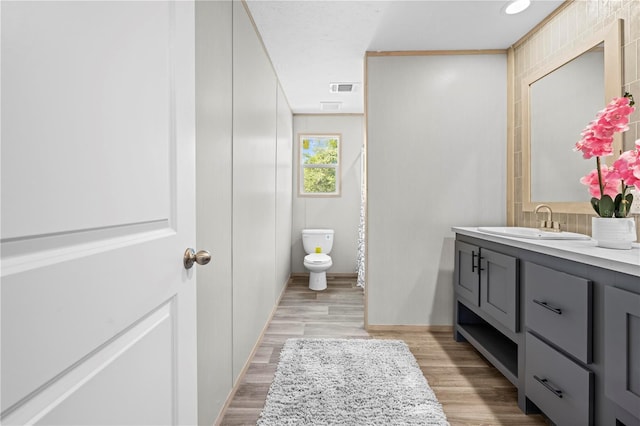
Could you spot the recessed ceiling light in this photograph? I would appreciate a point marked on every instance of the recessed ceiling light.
(516, 6)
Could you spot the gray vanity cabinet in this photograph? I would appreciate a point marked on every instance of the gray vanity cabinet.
(487, 309)
(622, 348)
(565, 332)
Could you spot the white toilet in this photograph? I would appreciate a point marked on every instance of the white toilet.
(317, 243)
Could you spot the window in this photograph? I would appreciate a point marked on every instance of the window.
(319, 165)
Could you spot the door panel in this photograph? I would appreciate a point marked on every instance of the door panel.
(97, 210)
(80, 398)
(80, 98)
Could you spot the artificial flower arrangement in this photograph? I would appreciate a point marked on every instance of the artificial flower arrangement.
(609, 185)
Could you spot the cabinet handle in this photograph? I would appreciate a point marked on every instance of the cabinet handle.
(546, 384)
(473, 261)
(547, 306)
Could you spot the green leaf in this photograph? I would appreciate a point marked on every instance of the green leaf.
(618, 207)
(606, 207)
(594, 204)
(623, 205)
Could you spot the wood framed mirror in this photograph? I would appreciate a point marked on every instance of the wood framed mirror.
(558, 102)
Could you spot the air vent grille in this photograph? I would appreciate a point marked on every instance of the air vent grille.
(343, 87)
(330, 106)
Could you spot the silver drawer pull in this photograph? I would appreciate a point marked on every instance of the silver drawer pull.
(547, 306)
(546, 384)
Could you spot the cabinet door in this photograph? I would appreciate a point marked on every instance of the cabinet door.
(466, 272)
(499, 287)
(622, 348)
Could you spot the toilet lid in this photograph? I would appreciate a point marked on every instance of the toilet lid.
(317, 258)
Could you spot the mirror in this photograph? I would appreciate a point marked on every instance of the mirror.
(560, 108)
(558, 102)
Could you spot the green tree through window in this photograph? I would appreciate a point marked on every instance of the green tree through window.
(319, 164)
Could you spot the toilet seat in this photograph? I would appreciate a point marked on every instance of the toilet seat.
(317, 258)
(317, 264)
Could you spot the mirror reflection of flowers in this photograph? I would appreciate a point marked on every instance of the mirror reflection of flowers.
(609, 185)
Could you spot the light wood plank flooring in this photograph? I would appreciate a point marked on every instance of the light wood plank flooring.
(470, 390)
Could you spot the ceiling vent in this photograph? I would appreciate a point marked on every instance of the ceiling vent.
(343, 87)
(330, 106)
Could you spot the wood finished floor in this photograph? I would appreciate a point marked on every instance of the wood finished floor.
(470, 390)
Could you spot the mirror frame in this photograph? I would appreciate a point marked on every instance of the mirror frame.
(611, 36)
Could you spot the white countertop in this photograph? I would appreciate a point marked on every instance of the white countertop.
(583, 251)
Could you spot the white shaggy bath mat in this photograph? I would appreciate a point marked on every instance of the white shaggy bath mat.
(349, 382)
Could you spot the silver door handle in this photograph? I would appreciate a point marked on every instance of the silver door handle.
(202, 257)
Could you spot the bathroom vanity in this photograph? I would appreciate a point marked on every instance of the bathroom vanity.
(560, 319)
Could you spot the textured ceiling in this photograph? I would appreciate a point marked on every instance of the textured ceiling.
(316, 42)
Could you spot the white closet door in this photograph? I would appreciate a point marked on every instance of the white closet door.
(98, 311)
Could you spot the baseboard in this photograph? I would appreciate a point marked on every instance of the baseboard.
(245, 368)
(410, 328)
(330, 275)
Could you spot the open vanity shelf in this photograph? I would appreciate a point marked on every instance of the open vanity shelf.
(501, 351)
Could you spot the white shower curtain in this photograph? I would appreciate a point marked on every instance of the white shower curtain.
(361, 227)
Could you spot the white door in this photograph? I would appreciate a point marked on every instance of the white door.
(98, 311)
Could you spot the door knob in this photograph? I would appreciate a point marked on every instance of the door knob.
(202, 257)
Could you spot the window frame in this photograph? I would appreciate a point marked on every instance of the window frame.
(337, 167)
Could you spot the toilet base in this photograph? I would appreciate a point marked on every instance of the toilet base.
(317, 280)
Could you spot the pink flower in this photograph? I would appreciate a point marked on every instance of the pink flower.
(617, 118)
(597, 137)
(602, 130)
(627, 166)
(597, 141)
(610, 180)
(593, 146)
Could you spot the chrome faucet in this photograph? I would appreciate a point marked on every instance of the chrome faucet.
(549, 224)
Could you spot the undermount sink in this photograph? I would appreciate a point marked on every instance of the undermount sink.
(532, 233)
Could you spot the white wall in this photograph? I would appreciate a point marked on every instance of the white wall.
(339, 213)
(244, 194)
(214, 95)
(254, 174)
(436, 154)
(284, 201)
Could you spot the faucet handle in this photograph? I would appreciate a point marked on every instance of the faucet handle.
(550, 225)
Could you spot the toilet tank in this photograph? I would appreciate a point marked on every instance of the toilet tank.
(317, 240)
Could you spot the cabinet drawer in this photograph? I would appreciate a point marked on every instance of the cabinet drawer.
(562, 389)
(558, 307)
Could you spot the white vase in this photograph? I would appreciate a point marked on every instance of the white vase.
(613, 232)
